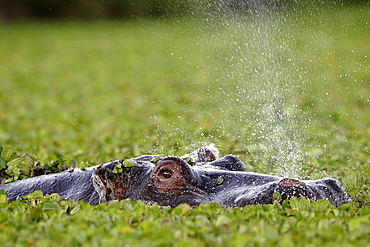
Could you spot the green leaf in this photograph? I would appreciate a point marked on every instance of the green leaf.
(276, 197)
(4, 217)
(118, 168)
(220, 180)
(46, 206)
(8, 154)
(36, 214)
(299, 203)
(29, 160)
(129, 163)
(55, 197)
(222, 220)
(188, 159)
(2, 164)
(3, 199)
(13, 167)
(75, 209)
(55, 165)
(20, 167)
(358, 223)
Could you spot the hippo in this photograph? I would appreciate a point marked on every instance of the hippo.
(200, 177)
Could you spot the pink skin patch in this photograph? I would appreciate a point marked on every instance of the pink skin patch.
(291, 182)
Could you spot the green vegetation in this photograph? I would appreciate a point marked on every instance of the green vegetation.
(41, 221)
(84, 93)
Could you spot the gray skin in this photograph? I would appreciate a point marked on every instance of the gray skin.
(74, 184)
(171, 181)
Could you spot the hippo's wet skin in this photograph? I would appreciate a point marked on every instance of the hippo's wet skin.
(170, 181)
(74, 184)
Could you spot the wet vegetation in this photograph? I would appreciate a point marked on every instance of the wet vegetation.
(84, 93)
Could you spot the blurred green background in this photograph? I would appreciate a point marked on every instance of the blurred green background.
(279, 86)
(117, 9)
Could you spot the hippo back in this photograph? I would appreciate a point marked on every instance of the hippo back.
(74, 184)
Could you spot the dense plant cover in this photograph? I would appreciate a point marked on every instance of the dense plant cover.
(80, 94)
(36, 220)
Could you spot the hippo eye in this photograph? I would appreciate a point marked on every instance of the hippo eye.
(166, 173)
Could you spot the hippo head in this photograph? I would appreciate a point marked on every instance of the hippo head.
(171, 181)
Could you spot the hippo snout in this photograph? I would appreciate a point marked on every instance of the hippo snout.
(290, 187)
(323, 189)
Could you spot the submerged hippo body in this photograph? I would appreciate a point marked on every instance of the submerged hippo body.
(170, 181)
(74, 184)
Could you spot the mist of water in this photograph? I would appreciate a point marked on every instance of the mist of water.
(257, 79)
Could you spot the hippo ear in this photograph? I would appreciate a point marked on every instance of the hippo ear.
(206, 155)
(110, 186)
(229, 163)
